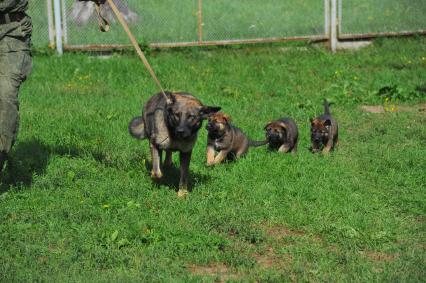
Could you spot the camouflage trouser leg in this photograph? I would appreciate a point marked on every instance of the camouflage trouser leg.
(15, 65)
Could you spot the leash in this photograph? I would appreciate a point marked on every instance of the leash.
(104, 26)
(102, 22)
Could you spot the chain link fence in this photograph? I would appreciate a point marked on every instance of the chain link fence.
(166, 23)
(369, 18)
(38, 12)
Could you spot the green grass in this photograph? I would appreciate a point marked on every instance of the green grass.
(77, 203)
(176, 21)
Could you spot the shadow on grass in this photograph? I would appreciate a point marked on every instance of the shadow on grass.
(28, 158)
(31, 158)
(171, 177)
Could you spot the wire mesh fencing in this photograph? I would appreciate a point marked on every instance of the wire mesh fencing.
(167, 23)
(38, 10)
(368, 18)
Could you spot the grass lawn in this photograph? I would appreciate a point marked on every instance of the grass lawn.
(77, 203)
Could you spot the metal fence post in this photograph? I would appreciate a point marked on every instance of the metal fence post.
(200, 21)
(333, 26)
(50, 23)
(326, 17)
(340, 18)
(58, 26)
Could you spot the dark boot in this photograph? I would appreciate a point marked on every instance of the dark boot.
(3, 158)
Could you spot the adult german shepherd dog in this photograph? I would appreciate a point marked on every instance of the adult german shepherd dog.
(170, 122)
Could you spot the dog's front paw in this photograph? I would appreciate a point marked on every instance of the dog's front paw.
(182, 193)
(210, 163)
(156, 174)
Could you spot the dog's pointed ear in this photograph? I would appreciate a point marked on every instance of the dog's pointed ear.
(267, 125)
(208, 110)
(283, 126)
(227, 118)
(170, 98)
(327, 122)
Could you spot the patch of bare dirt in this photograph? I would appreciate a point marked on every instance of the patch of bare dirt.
(378, 109)
(380, 256)
(278, 232)
(214, 269)
(373, 109)
(421, 218)
(271, 260)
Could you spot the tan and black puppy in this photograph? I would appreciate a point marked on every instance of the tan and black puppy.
(225, 138)
(324, 131)
(171, 122)
(282, 135)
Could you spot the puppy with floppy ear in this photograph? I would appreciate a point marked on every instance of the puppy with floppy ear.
(171, 122)
(225, 138)
(324, 131)
(282, 135)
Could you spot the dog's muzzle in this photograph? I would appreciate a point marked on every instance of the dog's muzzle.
(316, 138)
(273, 137)
(210, 126)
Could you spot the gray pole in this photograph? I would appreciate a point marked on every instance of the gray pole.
(333, 26)
(327, 17)
(58, 26)
(50, 23)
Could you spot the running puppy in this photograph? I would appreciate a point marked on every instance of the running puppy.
(225, 138)
(171, 122)
(282, 135)
(324, 131)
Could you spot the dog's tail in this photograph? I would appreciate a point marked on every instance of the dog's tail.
(326, 107)
(137, 128)
(257, 143)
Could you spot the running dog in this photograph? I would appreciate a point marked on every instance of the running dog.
(282, 135)
(170, 122)
(324, 131)
(225, 138)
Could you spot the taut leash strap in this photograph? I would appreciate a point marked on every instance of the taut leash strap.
(136, 46)
(102, 22)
